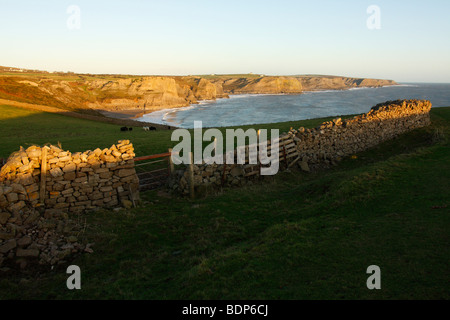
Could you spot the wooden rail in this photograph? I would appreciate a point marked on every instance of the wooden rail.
(153, 156)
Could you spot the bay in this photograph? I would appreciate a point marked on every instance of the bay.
(254, 109)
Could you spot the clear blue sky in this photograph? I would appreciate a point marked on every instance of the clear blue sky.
(210, 36)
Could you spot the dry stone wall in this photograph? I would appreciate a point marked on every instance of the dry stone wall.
(319, 147)
(40, 188)
(335, 139)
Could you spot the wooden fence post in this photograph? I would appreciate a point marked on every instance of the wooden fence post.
(284, 153)
(258, 159)
(43, 175)
(191, 176)
(171, 166)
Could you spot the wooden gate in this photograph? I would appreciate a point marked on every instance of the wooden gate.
(288, 156)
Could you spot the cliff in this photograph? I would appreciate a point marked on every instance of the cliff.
(262, 85)
(92, 96)
(201, 88)
(314, 83)
(95, 93)
(148, 92)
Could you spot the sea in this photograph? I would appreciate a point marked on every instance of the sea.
(249, 109)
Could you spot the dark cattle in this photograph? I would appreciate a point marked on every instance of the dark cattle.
(168, 127)
(130, 129)
(124, 129)
(152, 128)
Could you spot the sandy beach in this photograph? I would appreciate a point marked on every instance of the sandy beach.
(130, 114)
(124, 114)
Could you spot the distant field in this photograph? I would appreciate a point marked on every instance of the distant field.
(295, 236)
(76, 77)
(66, 76)
(224, 76)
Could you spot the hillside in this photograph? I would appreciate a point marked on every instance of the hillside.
(96, 93)
(298, 236)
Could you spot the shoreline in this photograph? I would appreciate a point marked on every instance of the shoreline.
(126, 114)
(133, 114)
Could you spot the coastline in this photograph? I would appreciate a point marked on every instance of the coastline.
(127, 114)
(133, 114)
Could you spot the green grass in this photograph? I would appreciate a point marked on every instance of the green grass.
(295, 236)
(22, 127)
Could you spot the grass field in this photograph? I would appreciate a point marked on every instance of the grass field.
(295, 236)
(22, 127)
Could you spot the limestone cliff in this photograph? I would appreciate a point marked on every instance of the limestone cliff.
(148, 92)
(314, 83)
(139, 93)
(201, 88)
(93, 93)
(262, 85)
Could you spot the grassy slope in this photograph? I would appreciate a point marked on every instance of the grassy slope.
(298, 236)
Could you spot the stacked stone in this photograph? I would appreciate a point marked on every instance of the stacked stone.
(325, 145)
(19, 180)
(41, 229)
(333, 140)
(210, 175)
(47, 238)
(99, 178)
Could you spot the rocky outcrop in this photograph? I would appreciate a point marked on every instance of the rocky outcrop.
(220, 92)
(202, 89)
(149, 93)
(262, 85)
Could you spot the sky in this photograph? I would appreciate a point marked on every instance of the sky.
(406, 41)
